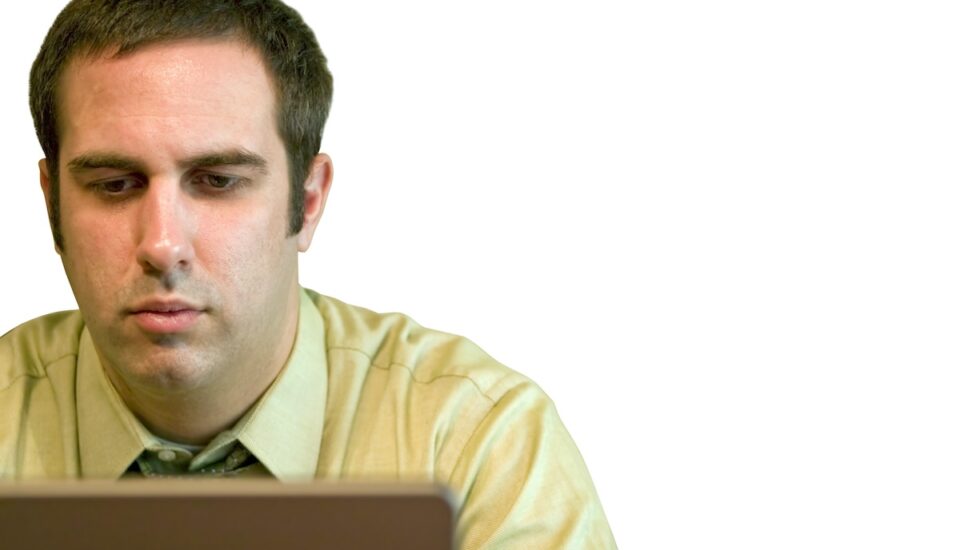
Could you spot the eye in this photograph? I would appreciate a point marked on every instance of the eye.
(217, 182)
(117, 186)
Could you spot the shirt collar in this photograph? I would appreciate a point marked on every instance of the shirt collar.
(283, 429)
(109, 436)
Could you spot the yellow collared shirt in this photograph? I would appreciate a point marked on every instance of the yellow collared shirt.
(362, 396)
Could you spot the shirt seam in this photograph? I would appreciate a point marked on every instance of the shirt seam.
(29, 374)
(460, 457)
(413, 376)
(466, 442)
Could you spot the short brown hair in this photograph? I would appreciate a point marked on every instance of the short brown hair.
(303, 85)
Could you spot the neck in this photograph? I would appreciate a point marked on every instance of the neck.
(194, 418)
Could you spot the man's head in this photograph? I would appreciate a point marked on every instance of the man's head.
(94, 28)
(174, 155)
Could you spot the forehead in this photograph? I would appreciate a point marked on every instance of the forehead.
(170, 85)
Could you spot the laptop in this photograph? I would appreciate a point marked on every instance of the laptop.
(187, 514)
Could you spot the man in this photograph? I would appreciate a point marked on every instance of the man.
(183, 176)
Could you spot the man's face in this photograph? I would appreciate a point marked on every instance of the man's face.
(174, 200)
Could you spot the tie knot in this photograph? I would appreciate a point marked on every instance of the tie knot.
(175, 461)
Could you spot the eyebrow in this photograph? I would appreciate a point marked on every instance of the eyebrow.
(92, 161)
(228, 157)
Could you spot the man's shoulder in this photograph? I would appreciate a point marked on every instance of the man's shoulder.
(28, 349)
(394, 340)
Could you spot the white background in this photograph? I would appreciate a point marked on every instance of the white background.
(721, 235)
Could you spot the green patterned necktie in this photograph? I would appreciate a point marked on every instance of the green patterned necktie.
(176, 462)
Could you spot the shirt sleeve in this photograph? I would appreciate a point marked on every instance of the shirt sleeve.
(522, 483)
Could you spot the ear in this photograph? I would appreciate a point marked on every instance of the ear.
(47, 187)
(316, 187)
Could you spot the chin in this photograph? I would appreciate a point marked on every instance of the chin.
(167, 371)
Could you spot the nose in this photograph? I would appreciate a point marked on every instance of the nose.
(166, 230)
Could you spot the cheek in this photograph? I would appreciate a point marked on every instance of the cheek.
(96, 256)
(246, 256)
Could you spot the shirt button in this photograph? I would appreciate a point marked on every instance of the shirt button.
(167, 455)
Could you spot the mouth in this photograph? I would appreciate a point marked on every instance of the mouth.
(165, 317)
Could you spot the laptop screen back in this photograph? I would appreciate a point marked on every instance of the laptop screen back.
(234, 514)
